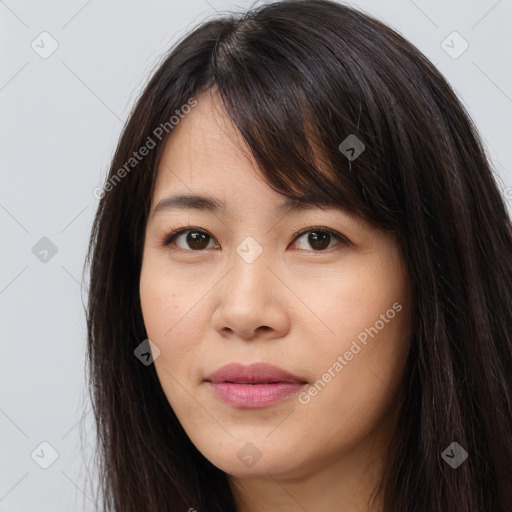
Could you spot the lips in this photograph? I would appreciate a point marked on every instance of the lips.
(254, 386)
(256, 373)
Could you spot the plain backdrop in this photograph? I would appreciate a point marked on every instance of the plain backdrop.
(61, 116)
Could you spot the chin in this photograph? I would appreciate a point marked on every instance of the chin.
(253, 459)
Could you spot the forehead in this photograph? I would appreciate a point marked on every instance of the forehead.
(206, 147)
(207, 166)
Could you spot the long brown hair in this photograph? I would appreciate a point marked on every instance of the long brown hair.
(297, 78)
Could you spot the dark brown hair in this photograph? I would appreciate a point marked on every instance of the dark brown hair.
(297, 78)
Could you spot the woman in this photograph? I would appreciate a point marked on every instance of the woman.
(300, 276)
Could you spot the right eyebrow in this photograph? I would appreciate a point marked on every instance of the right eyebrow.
(190, 202)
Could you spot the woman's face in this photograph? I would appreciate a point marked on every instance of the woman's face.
(240, 287)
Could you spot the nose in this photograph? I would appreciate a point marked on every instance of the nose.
(251, 302)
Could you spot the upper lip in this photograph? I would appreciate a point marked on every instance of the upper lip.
(253, 373)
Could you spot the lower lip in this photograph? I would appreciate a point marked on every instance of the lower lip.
(252, 396)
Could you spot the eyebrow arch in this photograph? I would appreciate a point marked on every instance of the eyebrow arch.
(212, 204)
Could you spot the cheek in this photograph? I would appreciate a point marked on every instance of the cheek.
(360, 362)
(171, 316)
(171, 322)
(354, 394)
(345, 304)
(165, 299)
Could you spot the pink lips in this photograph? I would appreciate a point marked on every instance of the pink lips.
(254, 386)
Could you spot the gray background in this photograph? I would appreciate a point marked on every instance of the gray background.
(60, 121)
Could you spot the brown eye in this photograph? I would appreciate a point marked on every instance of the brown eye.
(193, 239)
(319, 239)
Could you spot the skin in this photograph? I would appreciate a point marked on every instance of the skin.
(295, 306)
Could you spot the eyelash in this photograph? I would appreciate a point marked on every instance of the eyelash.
(169, 238)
